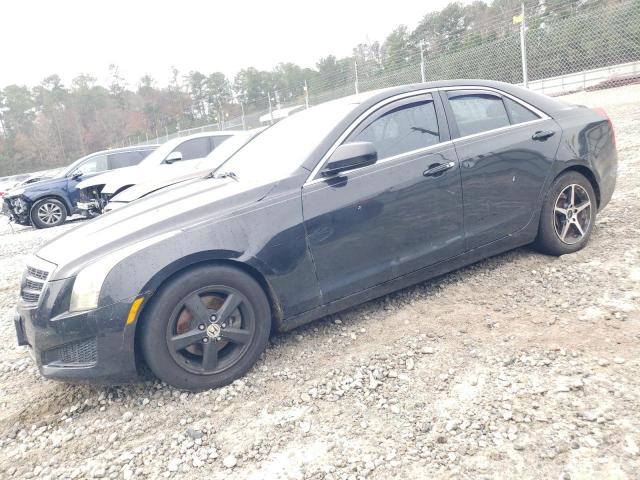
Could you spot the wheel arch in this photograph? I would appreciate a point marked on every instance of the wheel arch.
(588, 173)
(223, 258)
(55, 196)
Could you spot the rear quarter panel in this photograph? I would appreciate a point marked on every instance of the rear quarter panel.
(588, 141)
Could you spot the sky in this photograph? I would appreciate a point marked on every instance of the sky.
(70, 37)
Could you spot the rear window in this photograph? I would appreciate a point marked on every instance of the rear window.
(477, 112)
(518, 113)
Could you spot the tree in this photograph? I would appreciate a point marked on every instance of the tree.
(398, 49)
(218, 93)
(52, 124)
(196, 90)
(252, 87)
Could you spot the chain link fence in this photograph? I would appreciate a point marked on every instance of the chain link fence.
(566, 49)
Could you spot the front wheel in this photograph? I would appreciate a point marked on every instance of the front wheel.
(568, 215)
(205, 328)
(48, 212)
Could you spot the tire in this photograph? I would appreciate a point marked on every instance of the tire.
(188, 348)
(48, 212)
(566, 222)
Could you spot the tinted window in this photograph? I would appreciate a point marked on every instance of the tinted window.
(518, 113)
(92, 165)
(217, 140)
(125, 159)
(403, 129)
(475, 113)
(194, 148)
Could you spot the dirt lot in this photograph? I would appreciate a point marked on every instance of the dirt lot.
(520, 366)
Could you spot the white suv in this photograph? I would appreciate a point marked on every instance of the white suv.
(178, 154)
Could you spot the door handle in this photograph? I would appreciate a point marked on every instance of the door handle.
(437, 169)
(543, 134)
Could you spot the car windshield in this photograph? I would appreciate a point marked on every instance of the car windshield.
(283, 148)
(160, 153)
(226, 149)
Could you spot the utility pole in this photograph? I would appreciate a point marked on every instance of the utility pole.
(422, 75)
(244, 124)
(356, 65)
(270, 108)
(523, 48)
(306, 94)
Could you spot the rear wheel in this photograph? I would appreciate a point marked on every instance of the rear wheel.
(206, 328)
(568, 215)
(48, 212)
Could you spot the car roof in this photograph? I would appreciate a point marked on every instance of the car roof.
(542, 102)
(132, 148)
(215, 133)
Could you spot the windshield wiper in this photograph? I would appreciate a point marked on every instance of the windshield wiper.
(226, 175)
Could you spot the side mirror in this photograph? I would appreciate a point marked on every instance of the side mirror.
(349, 156)
(76, 175)
(173, 157)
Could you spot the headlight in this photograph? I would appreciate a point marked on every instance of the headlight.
(15, 192)
(88, 283)
(114, 205)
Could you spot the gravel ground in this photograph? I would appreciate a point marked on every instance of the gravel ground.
(519, 366)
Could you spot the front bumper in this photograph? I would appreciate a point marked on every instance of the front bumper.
(93, 204)
(89, 209)
(95, 346)
(16, 208)
(91, 201)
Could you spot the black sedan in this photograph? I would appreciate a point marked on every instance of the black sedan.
(336, 205)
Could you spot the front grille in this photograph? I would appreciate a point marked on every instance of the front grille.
(33, 284)
(85, 352)
(30, 297)
(35, 273)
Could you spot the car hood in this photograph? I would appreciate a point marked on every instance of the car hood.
(174, 209)
(156, 181)
(123, 177)
(36, 187)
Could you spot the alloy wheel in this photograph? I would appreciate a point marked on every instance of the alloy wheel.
(210, 330)
(49, 213)
(572, 214)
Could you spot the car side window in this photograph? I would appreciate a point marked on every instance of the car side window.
(92, 165)
(218, 139)
(477, 112)
(124, 159)
(517, 112)
(194, 148)
(408, 127)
